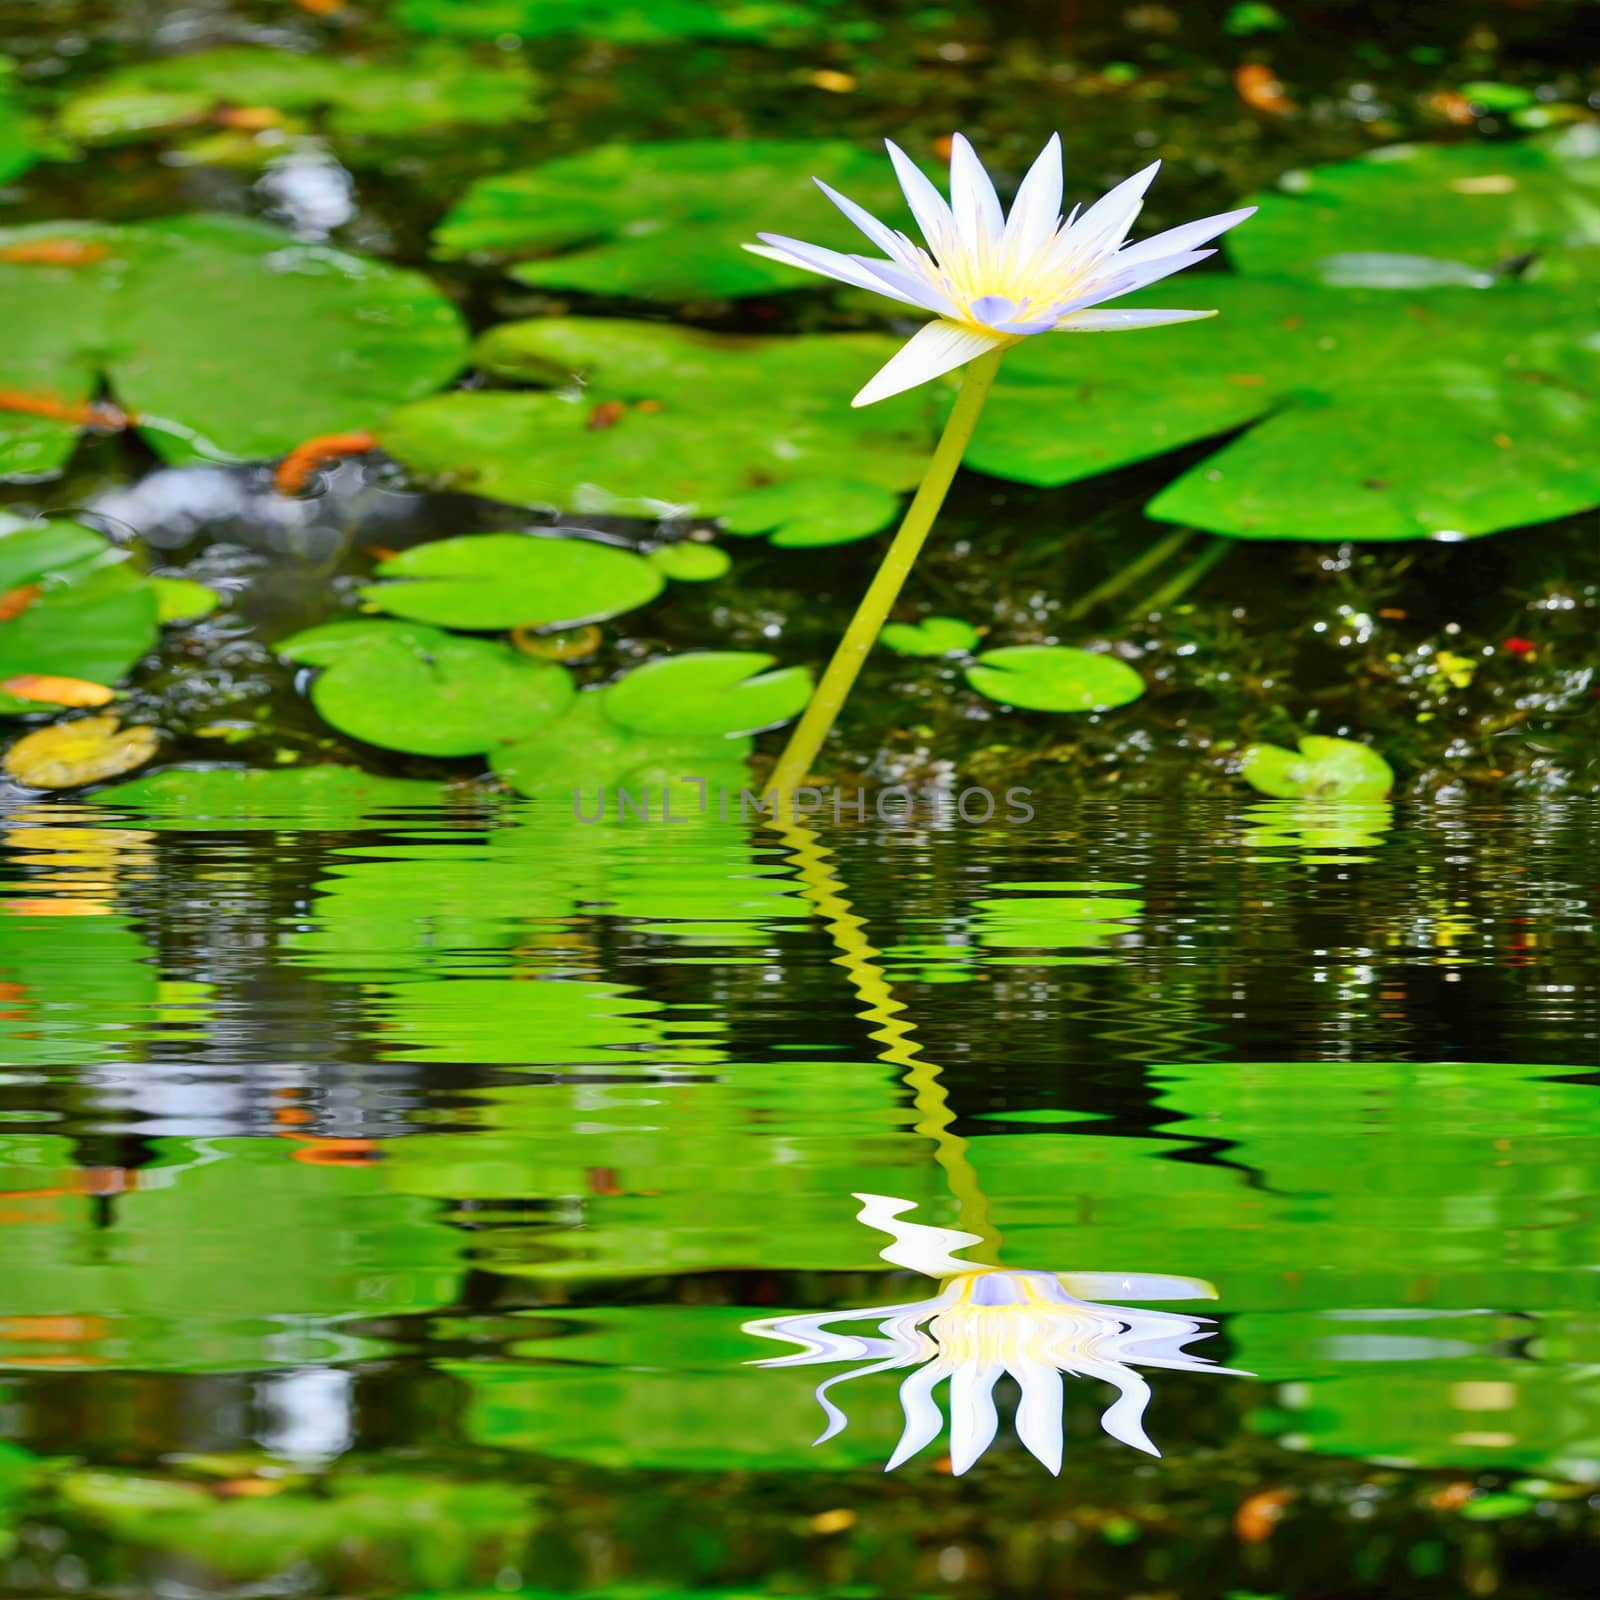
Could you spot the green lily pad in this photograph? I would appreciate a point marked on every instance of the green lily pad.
(225, 337)
(621, 21)
(690, 561)
(237, 797)
(1324, 769)
(709, 694)
(18, 149)
(1480, 416)
(933, 636)
(437, 87)
(587, 754)
(1482, 204)
(511, 580)
(693, 420)
(816, 511)
(183, 600)
(667, 221)
(1053, 677)
(92, 617)
(417, 689)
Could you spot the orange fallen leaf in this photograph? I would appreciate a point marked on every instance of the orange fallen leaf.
(249, 119)
(942, 146)
(1260, 89)
(56, 908)
(247, 1488)
(52, 1330)
(1452, 1496)
(302, 464)
(1256, 1517)
(57, 691)
(606, 415)
(1453, 107)
(15, 601)
(320, 8)
(54, 253)
(82, 413)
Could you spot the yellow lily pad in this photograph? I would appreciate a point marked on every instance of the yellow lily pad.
(87, 750)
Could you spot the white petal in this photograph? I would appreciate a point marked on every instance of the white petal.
(976, 206)
(1113, 279)
(1105, 224)
(1036, 211)
(1124, 1418)
(828, 263)
(928, 206)
(923, 1417)
(918, 1245)
(1039, 1410)
(972, 1415)
(1182, 238)
(1124, 321)
(938, 348)
(886, 239)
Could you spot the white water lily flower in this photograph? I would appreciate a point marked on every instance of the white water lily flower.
(992, 279)
(986, 1321)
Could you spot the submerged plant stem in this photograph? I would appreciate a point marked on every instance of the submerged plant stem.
(1146, 561)
(1187, 577)
(859, 638)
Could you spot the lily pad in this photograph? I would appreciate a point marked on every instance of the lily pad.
(690, 561)
(694, 420)
(510, 580)
(1480, 415)
(1481, 204)
(1053, 677)
(709, 694)
(667, 221)
(621, 21)
(68, 755)
(183, 600)
(407, 687)
(172, 314)
(813, 512)
(933, 636)
(588, 755)
(436, 87)
(18, 150)
(1324, 769)
(70, 607)
(241, 798)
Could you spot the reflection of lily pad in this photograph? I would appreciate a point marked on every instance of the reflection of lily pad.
(68, 755)
(1053, 677)
(1327, 769)
(69, 607)
(622, 21)
(237, 798)
(816, 511)
(709, 694)
(172, 313)
(508, 580)
(1482, 204)
(699, 419)
(933, 636)
(436, 88)
(407, 687)
(666, 221)
(1480, 416)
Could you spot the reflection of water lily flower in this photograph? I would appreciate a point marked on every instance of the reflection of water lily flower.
(986, 1321)
(993, 279)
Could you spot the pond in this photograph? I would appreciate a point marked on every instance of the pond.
(453, 1143)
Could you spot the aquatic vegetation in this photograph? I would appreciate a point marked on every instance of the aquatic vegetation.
(669, 421)
(18, 143)
(169, 314)
(992, 278)
(931, 637)
(68, 755)
(1053, 677)
(71, 606)
(986, 1321)
(1323, 769)
(811, 511)
(233, 797)
(437, 87)
(619, 21)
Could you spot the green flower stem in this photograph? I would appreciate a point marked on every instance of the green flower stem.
(824, 707)
(1187, 577)
(1145, 562)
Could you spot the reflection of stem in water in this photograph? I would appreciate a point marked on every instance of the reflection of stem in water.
(1126, 576)
(1187, 577)
(895, 1034)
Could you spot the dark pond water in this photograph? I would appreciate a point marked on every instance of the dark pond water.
(384, 1202)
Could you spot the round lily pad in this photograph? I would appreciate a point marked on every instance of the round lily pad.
(667, 221)
(68, 755)
(1323, 769)
(510, 580)
(427, 692)
(813, 512)
(690, 561)
(708, 694)
(933, 636)
(1053, 677)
